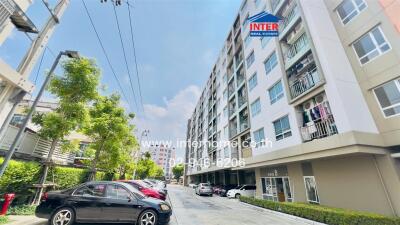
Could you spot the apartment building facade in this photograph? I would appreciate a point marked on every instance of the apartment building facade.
(163, 155)
(321, 103)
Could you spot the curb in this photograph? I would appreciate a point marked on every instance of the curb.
(292, 217)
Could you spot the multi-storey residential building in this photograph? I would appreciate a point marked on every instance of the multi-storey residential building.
(321, 102)
(163, 155)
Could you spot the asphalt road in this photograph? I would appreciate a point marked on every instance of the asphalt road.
(190, 209)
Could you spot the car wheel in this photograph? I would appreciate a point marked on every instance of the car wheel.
(63, 216)
(148, 217)
(237, 195)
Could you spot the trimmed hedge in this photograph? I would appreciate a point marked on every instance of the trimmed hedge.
(323, 214)
(21, 175)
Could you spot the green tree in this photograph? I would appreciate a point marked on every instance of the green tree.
(111, 133)
(147, 168)
(177, 171)
(74, 90)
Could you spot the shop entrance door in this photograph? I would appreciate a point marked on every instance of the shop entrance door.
(277, 189)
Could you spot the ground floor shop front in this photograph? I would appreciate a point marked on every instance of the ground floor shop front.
(360, 182)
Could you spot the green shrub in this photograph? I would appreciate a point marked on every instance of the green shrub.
(66, 177)
(22, 210)
(3, 219)
(324, 214)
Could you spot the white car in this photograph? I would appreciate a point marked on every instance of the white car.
(244, 190)
(192, 185)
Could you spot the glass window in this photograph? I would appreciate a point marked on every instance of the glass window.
(91, 190)
(225, 111)
(247, 40)
(117, 192)
(388, 96)
(253, 81)
(226, 152)
(270, 63)
(371, 45)
(259, 137)
(348, 9)
(282, 128)
(226, 131)
(245, 22)
(255, 107)
(264, 41)
(250, 59)
(311, 189)
(225, 94)
(275, 92)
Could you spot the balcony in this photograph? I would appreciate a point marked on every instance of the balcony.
(242, 97)
(240, 77)
(239, 58)
(231, 88)
(289, 20)
(244, 120)
(318, 120)
(297, 50)
(304, 83)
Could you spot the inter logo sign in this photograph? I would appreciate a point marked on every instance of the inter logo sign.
(264, 25)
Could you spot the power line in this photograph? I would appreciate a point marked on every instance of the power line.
(125, 59)
(134, 55)
(40, 65)
(105, 53)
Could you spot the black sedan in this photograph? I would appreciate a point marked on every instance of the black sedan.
(102, 202)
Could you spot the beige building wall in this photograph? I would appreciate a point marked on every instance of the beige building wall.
(383, 68)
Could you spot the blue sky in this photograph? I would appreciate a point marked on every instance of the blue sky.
(177, 42)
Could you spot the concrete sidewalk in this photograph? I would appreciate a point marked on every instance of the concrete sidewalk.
(24, 220)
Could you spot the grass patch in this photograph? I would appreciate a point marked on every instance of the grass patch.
(3, 219)
(22, 210)
(324, 214)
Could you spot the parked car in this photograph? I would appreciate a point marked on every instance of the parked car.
(225, 188)
(193, 185)
(157, 184)
(216, 189)
(102, 202)
(146, 189)
(244, 190)
(204, 189)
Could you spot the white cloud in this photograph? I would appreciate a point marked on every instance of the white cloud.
(168, 122)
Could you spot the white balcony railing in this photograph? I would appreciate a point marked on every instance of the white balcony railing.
(323, 128)
(304, 82)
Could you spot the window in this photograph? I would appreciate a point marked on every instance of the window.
(311, 189)
(348, 9)
(255, 107)
(225, 111)
(371, 45)
(247, 40)
(259, 137)
(253, 81)
(282, 128)
(388, 96)
(270, 63)
(17, 120)
(226, 131)
(226, 152)
(250, 59)
(245, 22)
(91, 190)
(243, 6)
(264, 41)
(225, 94)
(275, 92)
(117, 192)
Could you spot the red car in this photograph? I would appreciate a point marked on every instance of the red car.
(145, 189)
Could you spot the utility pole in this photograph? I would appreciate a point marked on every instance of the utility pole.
(26, 65)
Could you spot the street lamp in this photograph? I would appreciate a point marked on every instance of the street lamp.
(143, 134)
(10, 153)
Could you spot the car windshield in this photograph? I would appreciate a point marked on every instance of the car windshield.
(136, 192)
(206, 185)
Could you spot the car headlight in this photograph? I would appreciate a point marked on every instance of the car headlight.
(165, 207)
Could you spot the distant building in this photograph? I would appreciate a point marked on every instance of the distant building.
(163, 155)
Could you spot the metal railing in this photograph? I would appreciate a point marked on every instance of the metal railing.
(292, 14)
(7, 8)
(31, 144)
(299, 45)
(323, 128)
(304, 83)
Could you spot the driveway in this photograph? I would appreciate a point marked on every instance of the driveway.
(190, 209)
